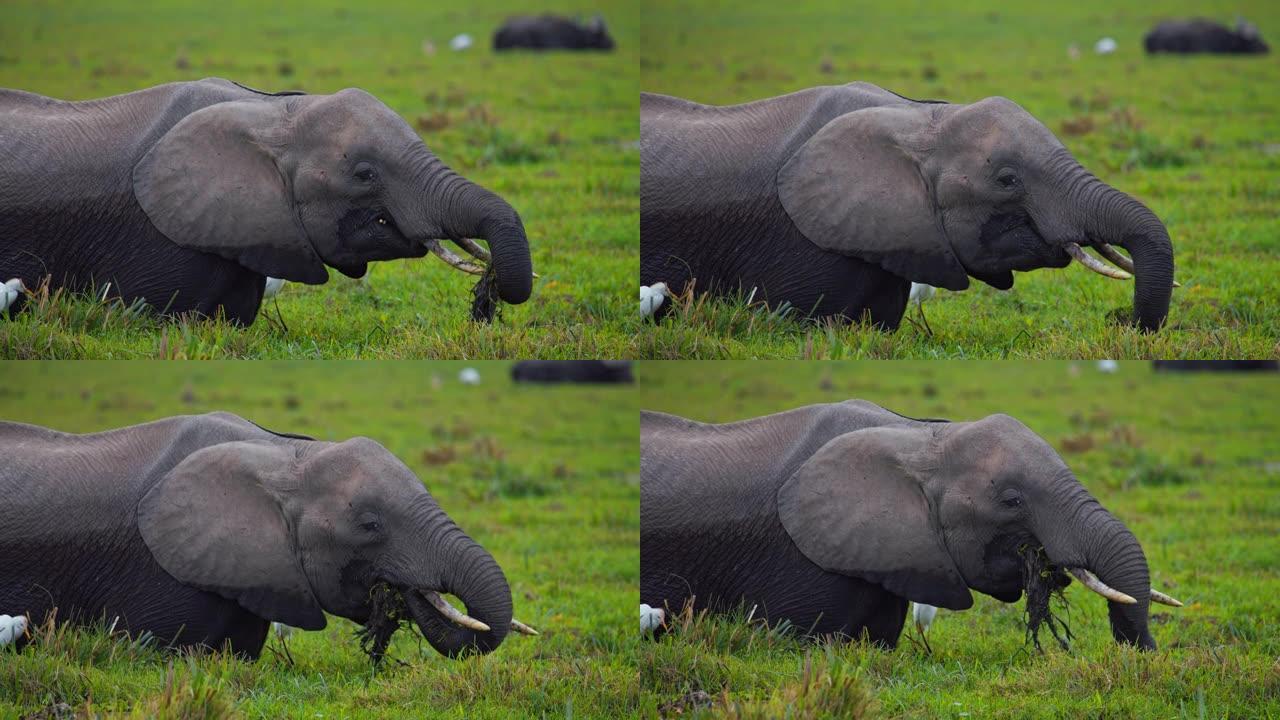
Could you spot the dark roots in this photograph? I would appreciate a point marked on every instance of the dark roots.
(1042, 582)
(387, 613)
(485, 303)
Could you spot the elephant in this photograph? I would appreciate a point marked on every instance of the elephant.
(188, 195)
(574, 371)
(1199, 35)
(202, 530)
(835, 199)
(832, 517)
(1230, 366)
(552, 32)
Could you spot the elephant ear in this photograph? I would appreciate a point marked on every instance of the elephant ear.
(215, 522)
(212, 184)
(853, 189)
(856, 508)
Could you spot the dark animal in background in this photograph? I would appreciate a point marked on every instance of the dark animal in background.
(577, 371)
(835, 199)
(1217, 365)
(201, 530)
(1205, 36)
(552, 32)
(832, 517)
(189, 195)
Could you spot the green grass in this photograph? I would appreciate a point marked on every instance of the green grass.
(1196, 138)
(545, 478)
(1190, 464)
(555, 135)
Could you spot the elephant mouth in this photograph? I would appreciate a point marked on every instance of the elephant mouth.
(391, 606)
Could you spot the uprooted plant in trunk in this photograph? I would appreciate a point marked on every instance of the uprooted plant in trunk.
(1043, 582)
(387, 612)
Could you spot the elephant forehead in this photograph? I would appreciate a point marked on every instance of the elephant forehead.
(999, 443)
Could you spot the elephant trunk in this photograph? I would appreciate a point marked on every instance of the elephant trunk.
(461, 209)
(1088, 537)
(1110, 217)
(467, 571)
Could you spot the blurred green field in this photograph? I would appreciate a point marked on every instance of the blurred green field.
(554, 134)
(545, 478)
(1189, 462)
(1195, 138)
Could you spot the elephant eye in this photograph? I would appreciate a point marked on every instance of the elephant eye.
(1007, 179)
(1012, 501)
(364, 173)
(370, 525)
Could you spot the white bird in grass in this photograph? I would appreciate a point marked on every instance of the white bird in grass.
(10, 292)
(12, 628)
(919, 293)
(651, 298)
(651, 618)
(283, 632)
(272, 288)
(469, 376)
(923, 616)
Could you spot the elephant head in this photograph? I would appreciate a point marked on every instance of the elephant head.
(935, 193)
(285, 185)
(932, 510)
(291, 532)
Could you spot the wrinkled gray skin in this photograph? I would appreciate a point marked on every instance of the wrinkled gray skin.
(834, 516)
(203, 529)
(190, 194)
(836, 198)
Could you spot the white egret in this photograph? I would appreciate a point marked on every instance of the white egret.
(469, 376)
(651, 618)
(919, 293)
(272, 288)
(922, 616)
(10, 292)
(12, 627)
(651, 298)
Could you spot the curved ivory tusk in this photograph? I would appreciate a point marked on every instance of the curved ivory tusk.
(1116, 258)
(1095, 264)
(474, 248)
(1121, 261)
(1159, 597)
(1092, 582)
(453, 260)
(522, 628)
(453, 613)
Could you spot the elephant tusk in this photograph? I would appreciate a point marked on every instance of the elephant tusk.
(1092, 582)
(474, 248)
(1095, 264)
(522, 628)
(452, 613)
(1121, 261)
(453, 260)
(1116, 258)
(1157, 596)
(465, 266)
